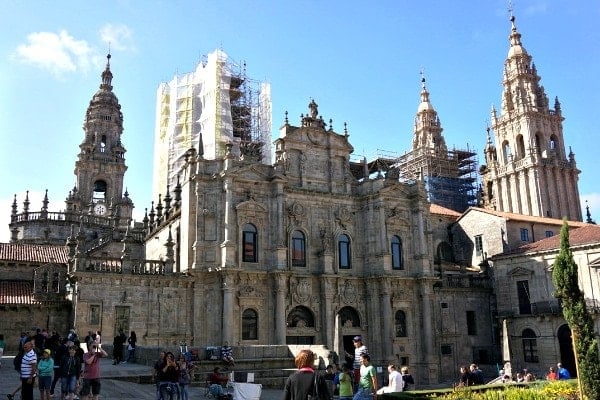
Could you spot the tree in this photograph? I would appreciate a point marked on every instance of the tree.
(575, 312)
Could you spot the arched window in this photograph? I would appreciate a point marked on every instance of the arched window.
(300, 317)
(298, 248)
(249, 243)
(444, 253)
(100, 187)
(529, 346)
(349, 317)
(397, 256)
(344, 254)
(520, 147)
(400, 322)
(506, 155)
(249, 324)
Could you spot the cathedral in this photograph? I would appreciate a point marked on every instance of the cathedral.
(307, 247)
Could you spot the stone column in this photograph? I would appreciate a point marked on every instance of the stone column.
(228, 282)
(280, 291)
(228, 245)
(386, 315)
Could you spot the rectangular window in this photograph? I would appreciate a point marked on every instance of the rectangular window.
(121, 318)
(523, 296)
(549, 233)
(524, 235)
(478, 245)
(404, 361)
(471, 323)
(94, 314)
(446, 349)
(298, 252)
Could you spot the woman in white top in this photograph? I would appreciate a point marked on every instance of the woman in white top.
(396, 384)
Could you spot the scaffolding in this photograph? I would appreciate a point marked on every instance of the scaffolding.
(207, 109)
(450, 177)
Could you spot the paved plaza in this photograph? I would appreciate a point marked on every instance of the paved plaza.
(118, 383)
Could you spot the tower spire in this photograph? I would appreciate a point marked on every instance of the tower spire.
(107, 75)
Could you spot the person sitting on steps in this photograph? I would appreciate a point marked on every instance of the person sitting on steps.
(227, 355)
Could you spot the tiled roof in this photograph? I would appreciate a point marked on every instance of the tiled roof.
(38, 253)
(439, 210)
(17, 292)
(525, 218)
(588, 234)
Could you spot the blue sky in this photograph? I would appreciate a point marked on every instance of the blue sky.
(360, 61)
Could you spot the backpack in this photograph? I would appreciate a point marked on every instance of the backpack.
(18, 360)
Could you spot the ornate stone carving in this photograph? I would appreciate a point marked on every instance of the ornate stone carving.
(343, 216)
(349, 292)
(297, 212)
(302, 291)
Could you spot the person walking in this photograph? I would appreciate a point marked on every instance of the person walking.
(367, 385)
(359, 348)
(28, 371)
(91, 371)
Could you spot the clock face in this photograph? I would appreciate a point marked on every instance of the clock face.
(99, 209)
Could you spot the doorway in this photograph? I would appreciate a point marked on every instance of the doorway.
(565, 343)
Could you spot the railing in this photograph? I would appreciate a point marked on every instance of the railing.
(146, 267)
(67, 217)
(466, 281)
(546, 307)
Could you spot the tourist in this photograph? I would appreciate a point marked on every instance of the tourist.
(70, 369)
(305, 381)
(563, 373)
(395, 381)
(28, 370)
(186, 369)
(552, 375)
(169, 383)
(45, 370)
(359, 348)
(367, 384)
(227, 355)
(91, 371)
(346, 384)
(406, 377)
(118, 342)
(131, 343)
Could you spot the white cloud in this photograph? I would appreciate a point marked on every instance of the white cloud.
(118, 36)
(58, 53)
(593, 202)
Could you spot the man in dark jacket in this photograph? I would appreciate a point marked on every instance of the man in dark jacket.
(118, 343)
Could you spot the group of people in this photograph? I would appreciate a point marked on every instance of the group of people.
(356, 380)
(172, 377)
(557, 373)
(469, 376)
(47, 360)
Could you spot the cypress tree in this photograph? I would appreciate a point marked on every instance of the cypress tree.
(576, 314)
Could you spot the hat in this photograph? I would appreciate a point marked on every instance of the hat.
(357, 339)
(48, 351)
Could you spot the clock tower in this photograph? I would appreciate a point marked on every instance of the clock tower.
(100, 167)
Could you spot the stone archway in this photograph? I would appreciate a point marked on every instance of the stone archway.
(565, 343)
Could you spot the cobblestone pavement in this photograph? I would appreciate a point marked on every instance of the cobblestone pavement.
(117, 388)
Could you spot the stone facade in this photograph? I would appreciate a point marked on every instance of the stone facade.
(537, 332)
(308, 250)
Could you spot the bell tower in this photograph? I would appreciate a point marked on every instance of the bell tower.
(100, 167)
(527, 169)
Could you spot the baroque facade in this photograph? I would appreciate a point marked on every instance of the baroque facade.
(309, 249)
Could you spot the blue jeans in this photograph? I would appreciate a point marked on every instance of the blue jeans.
(363, 394)
(168, 391)
(67, 384)
(183, 391)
